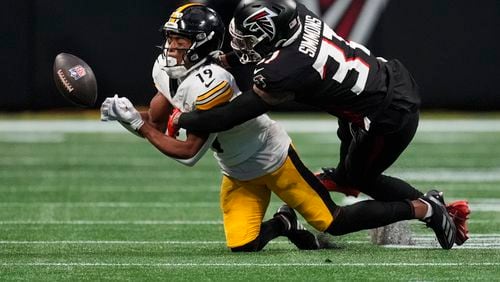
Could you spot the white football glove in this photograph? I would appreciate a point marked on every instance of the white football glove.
(126, 113)
(107, 112)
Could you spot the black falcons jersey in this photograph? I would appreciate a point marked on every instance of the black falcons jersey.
(326, 71)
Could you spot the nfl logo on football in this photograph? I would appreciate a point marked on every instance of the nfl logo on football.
(77, 72)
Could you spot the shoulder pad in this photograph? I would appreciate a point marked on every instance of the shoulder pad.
(279, 72)
(212, 85)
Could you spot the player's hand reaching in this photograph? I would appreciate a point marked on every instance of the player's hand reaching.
(126, 113)
(107, 112)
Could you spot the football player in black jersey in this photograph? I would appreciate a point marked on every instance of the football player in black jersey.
(300, 58)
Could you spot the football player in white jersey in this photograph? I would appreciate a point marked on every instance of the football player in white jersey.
(256, 157)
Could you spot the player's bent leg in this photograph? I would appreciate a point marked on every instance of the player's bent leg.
(384, 188)
(243, 205)
(301, 190)
(285, 223)
(387, 188)
(328, 176)
(369, 154)
(370, 214)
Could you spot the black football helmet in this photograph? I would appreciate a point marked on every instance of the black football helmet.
(202, 25)
(259, 27)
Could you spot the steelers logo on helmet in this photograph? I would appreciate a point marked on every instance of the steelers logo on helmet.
(203, 27)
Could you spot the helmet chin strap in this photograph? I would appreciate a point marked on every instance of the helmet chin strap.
(180, 71)
(173, 70)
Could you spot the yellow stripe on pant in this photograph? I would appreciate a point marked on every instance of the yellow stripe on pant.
(244, 203)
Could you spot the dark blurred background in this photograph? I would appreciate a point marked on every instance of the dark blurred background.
(450, 46)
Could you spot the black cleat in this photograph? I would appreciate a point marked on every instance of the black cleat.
(296, 232)
(289, 219)
(440, 221)
(436, 194)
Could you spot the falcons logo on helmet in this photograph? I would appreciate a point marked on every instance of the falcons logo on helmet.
(261, 21)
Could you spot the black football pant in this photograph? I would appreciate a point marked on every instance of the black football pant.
(365, 155)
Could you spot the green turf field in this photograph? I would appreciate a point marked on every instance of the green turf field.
(85, 201)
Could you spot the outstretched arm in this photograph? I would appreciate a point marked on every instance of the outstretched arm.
(244, 107)
(187, 152)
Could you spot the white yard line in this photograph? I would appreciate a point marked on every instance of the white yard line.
(333, 264)
(112, 205)
(291, 125)
(477, 241)
(447, 174)
(91, 242)
(110, 222)
(475, 204)
(433, 246)
(495, 236)
(141, 222)
(436, 174)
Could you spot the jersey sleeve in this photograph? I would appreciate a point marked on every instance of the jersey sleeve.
(201, 152)
(276, 75)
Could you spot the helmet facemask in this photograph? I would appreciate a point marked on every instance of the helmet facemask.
(190, 59)
(173, 68)
(244, 45)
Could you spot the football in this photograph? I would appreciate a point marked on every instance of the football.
(75, 80)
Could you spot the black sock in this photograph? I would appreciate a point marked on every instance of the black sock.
(370, 214)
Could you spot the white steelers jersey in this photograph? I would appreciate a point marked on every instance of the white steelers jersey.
(252, 149)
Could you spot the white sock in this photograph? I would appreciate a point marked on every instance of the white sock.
(429, 209)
